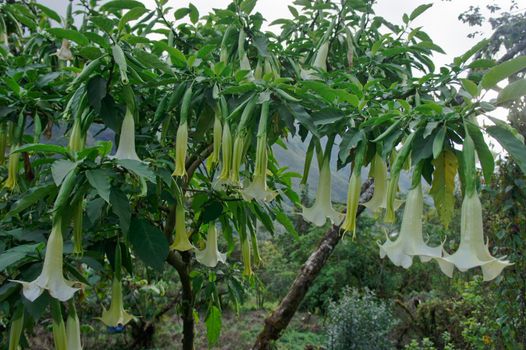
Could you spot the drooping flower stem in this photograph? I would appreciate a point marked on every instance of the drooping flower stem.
(218, 133)
(78, 220)
(239, 143)
(59, 329)
(245, 256)
(396, 168)
(353, 193)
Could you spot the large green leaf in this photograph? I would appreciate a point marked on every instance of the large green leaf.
(131, 15)
(16, 254)
(502, 71)
(483, 152)
(138, 168)
(121, 5)
(148, 243)
(419, 10)
(512, 92)
(213, 325)
(120, 205)
(29, 198)
(515, 148)
(60, 169)
(69, 34)
(42, 147)
(100, 180)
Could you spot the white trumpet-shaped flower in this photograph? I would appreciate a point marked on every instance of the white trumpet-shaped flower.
(379, 173)
(473, 251)
(73, 330)
(181, 146)
(64, 53)
(410, 241)
(245, 257)
(12, 171)
(258, 189)
(116, 316)
(320, 63)
(237, 157)
(322, 208)
(210, 256)
(226, 158)
(218, 134)
(126, 149)
(353, 198)
(51, 278)
(181, 241)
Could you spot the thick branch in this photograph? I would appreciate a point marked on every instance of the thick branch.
(280, 318)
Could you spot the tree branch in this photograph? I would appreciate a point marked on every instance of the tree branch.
(280, 318)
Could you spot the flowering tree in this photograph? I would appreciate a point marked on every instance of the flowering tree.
(195, 106)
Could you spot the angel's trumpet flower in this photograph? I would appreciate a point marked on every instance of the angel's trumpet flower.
(218, 133)
(210, 256)
(258, 189)
(51, 278)
(226, 158)
(58, 327)
(237, 157)
(116, 317)
(64, 53)
(77, 140)
(73, 330)
(12, 171)
(322, 208)
(17, 326)
(473, 251)
(245, 257)
(181, 241)
(379, 173)
(353, 197)
(181, 146)
(126, 149)
(410, 241)
(77, 221)
(320, 61)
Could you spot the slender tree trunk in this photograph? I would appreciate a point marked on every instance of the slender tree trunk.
(280, 318)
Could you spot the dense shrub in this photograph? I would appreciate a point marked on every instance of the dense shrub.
(359, 321)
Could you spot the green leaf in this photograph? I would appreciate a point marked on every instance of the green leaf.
(211, 211)
(470, 87)
(60, 169)
(69, 34)
(16, 254)
(194, 13)
(41, 147)
(213, 325)
(148, 243)
(120, 5)
(96, 91)
(512, 92)
(287, 224)
(48, 12)
(32, 196)
(152, 61)
(486, 158)
(502, 71)
(468, 54)
(438, 143)
(100, 180)
(120, 206)
(131, 15)
(138, 168)
(180, 13)
(515, 148)
(419, 10)
(443, 186)
(247, 6)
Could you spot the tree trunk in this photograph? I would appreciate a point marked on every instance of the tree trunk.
(280, 318)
